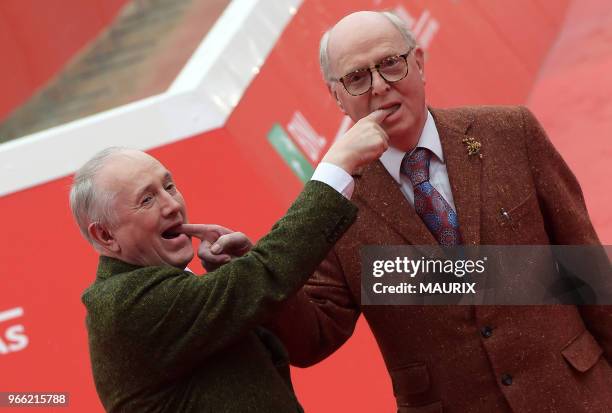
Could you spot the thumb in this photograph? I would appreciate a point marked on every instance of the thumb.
(235, 243)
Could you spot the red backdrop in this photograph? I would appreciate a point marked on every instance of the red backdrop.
(235, 177)
(38, 37)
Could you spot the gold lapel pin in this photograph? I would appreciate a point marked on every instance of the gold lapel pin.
(473, 146)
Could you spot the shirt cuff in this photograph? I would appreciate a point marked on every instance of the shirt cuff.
(335, 177)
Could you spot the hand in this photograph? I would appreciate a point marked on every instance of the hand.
(219, 244)
(362, 144)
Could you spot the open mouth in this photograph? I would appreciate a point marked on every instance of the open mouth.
(172, 232)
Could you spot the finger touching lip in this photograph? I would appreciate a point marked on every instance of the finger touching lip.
(392, 107)
(190, 229)
(379, 115)
(393, 110)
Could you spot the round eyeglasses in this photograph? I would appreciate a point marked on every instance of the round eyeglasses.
(391, 69)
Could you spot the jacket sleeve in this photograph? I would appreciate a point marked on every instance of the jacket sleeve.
(565, 214)
(186, 318)
(319, 318)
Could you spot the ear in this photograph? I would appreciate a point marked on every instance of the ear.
(334, 93)
(103, 237)
(419, 57)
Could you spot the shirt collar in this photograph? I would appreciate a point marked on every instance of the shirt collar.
(430, 139)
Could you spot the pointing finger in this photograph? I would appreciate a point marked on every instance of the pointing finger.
(379, 115)
(204, 231)
(195, 230)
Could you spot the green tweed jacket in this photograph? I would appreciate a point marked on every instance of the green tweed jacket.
(165, 340)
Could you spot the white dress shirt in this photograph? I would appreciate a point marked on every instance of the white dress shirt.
(342, 182)
(438, 176)
(335, 177)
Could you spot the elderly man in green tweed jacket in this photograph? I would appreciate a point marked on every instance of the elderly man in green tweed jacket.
(165, 340)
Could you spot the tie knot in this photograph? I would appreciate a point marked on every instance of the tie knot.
(415, 165)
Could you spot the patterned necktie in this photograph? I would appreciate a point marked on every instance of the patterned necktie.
(436, 213)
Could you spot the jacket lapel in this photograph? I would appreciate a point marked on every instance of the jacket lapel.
(379, 191)
(463, 170)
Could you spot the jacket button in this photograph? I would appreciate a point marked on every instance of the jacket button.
(506, 379)
(486, 331)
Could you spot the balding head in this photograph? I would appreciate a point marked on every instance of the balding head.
(127, 205)
(88, 202)
(354, 50)
(95, 186)
(348, 26)
(114, 173)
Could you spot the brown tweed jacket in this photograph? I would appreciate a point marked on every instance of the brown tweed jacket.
(164, 340)
(461, 358)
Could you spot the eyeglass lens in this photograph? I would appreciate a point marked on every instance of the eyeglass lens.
(392, 69)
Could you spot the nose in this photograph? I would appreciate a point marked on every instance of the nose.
(379, 85)
(170, 205)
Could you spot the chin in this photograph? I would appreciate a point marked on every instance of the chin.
(182, 264)
(402, 137)
(397, 139)
(181, 261)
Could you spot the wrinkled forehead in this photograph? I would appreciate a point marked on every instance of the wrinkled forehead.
(125, 172)
(362, 40)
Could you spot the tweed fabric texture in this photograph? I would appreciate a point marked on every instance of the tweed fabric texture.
(429, 204)
(457, 359)
(165, 340)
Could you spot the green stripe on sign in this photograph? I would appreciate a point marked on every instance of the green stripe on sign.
(290, 153)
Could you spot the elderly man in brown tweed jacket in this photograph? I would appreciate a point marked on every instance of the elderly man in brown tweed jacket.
(162, 339)
(498, 181)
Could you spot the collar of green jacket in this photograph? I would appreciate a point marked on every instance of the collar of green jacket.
(108, 266)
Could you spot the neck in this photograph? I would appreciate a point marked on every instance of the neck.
(409, 141)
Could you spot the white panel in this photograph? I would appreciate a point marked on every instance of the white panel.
(200, 99)
(59, 151)
(240, 42)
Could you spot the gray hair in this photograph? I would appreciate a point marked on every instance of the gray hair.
(395, 20)
(91, 204)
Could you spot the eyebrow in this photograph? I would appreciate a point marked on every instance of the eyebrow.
(167, 177)
(368, 67)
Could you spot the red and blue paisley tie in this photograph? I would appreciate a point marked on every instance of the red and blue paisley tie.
(430, 205)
